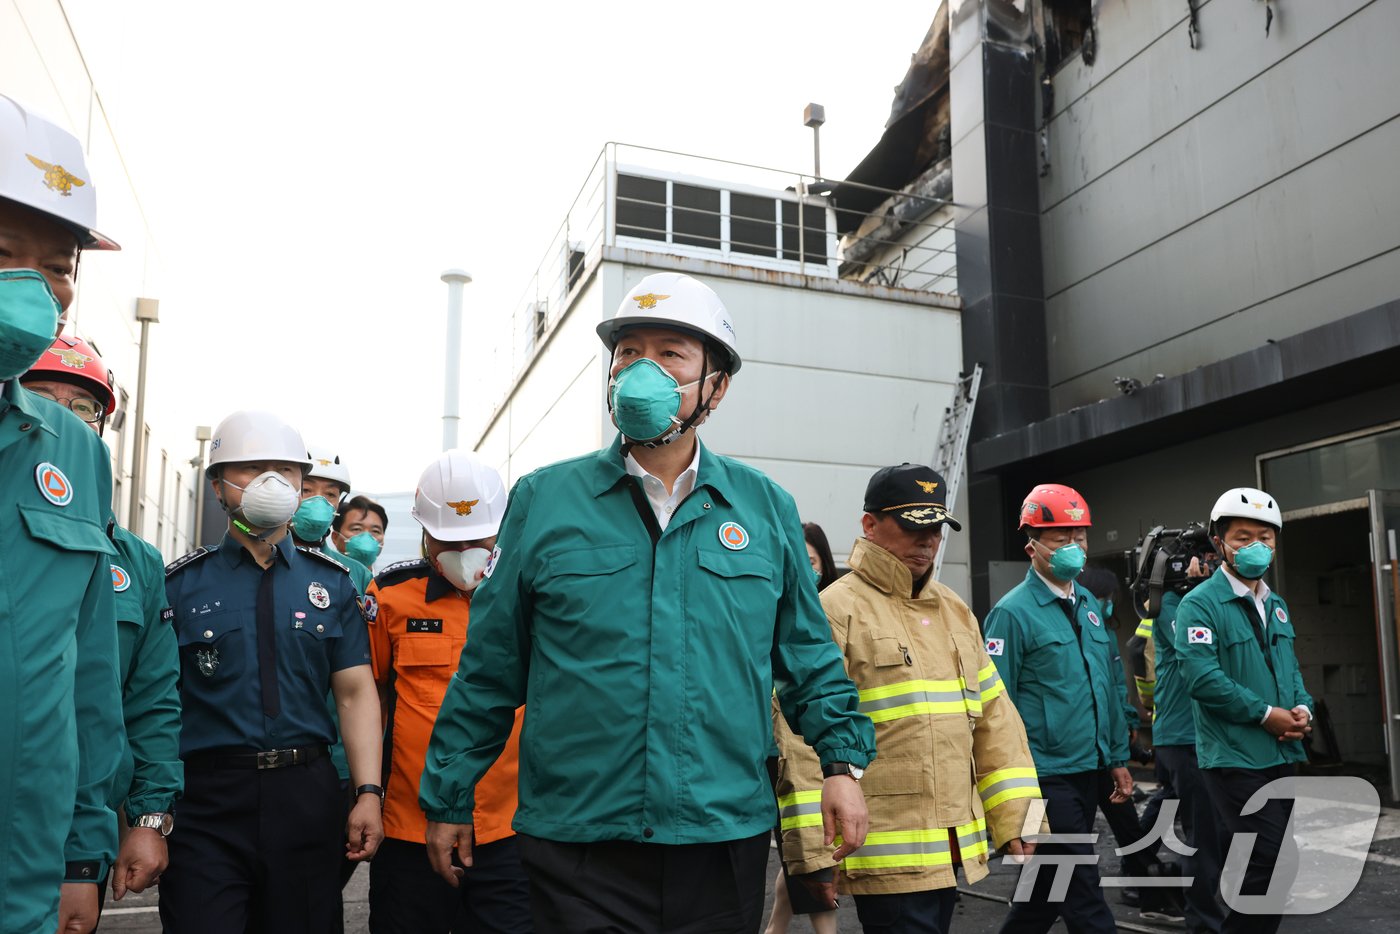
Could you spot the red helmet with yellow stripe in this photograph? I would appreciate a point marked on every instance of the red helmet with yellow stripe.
(1054, 505)
(73, 360)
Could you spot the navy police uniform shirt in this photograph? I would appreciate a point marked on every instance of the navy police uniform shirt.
(318, 630)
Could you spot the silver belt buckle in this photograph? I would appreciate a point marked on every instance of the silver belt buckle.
(270, 759)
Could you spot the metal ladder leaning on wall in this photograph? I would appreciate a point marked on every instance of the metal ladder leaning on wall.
(951, 457)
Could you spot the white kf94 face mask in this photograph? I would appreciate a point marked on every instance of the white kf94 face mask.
(463, 569)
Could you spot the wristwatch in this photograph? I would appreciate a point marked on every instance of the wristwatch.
(843, 768)
(369, 790)
(163, 821)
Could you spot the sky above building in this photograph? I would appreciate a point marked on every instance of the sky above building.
(309, 169)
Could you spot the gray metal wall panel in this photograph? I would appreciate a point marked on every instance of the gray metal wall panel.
(1317, 222)
(1146, 80)
(1270, 126)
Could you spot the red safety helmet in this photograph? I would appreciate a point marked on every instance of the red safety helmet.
(1054, 505)
(73, 360)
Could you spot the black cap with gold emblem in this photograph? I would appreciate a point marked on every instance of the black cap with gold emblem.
(915, 495)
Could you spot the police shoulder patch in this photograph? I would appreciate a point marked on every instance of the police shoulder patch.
(188, 559)
(317, 553)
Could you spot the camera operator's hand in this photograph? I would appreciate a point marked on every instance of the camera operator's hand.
(1197, 569)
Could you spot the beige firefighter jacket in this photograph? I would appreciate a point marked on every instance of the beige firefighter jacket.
(951, 748)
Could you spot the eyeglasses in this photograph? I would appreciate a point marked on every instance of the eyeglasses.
(89, 410)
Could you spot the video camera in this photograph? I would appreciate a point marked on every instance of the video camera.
(1160, 561)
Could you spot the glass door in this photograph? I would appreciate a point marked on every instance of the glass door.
(1385, 565)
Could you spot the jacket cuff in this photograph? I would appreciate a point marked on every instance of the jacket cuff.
(84, 870)
(157, 802)
(449, 817)
(859, 759)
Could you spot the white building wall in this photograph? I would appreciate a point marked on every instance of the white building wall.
(835, 384)
(41, 66)
(1200, 202)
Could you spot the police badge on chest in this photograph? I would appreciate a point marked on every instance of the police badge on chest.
(207, 660)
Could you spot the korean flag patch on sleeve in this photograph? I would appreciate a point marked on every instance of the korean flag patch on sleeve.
(1200, 634)
(996, 646)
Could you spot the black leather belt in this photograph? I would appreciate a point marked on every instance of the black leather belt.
(271, 759)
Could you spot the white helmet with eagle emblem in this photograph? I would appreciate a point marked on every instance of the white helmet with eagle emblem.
(42, 167)
(459, 498)
(678, 302)
(327, 465)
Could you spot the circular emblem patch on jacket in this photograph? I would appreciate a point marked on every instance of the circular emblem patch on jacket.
(1280, 614)
(53, 484)
(733, 536)
(120, 579)
(320, 597)
(1094, 618)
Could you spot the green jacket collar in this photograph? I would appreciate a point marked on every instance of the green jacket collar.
(1218, 587)
(609, 470)
(28, 405)
(1043, 594)
(885, 572)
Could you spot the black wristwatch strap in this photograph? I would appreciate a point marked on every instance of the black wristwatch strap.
(370, 790)
(837, 768)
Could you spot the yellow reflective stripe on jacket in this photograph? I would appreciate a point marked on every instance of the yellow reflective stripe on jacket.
(1008, 784)
(911, 698)
(991, 683)
(800, 809)
(918, 847)
(1144, 629)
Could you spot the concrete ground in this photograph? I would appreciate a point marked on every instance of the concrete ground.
(1371, 907)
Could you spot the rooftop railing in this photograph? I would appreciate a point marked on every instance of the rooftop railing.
(674, 203)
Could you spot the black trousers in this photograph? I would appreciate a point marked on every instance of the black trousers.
(1070, 803)
(621, 887)
(1123, 821)
(256, 851)
(929, 912)
(1273, 848)
(1177, 767)
(407, 897)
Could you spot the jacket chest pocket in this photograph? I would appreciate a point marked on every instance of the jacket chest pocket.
(70, 536)
(211, 646)
(1053, 657)
(730, 580)
(897, 841)
(425, 663)
(583, 583)
(887, 646)
(1240, 651)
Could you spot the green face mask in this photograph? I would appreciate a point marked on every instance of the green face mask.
(312, 520)
(28, 320)
(646, 401)
(364, 548)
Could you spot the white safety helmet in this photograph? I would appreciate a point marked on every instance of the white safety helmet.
(42, 167)
(326, 465)
(673, 300)
(1245, 502)
(459, 498)
(248, 435)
